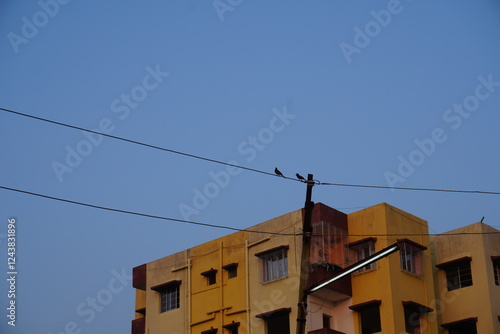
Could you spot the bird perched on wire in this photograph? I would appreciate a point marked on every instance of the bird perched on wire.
(277, 171)
(300, 177)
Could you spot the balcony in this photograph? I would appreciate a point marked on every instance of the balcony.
(339, 290)
(139, 277)
(139, 326)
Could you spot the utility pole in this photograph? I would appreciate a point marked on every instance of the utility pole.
(305, 258)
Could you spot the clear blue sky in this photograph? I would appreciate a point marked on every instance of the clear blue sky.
(381, 93)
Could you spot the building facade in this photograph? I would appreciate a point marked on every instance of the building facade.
(248, 281)
(467, 273)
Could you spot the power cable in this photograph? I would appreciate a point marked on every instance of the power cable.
(243, 167)
(410, 188)
(143, 144)
(143, 214)
(229, 227)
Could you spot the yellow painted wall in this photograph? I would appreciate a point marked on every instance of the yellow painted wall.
(389, 282)
(482, 299)
(140, 301)
(281, 293)
(159, 272)
(214, 306)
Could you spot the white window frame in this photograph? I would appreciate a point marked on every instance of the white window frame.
(273, 264)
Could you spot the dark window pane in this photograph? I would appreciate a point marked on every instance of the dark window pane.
(326, 321)
(464, 329)
(459, 276)
(370, 320)
(278, 325)
(232, 272)
(212, 278)
(412, 321)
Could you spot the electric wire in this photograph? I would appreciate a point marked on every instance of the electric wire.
(147, 215)
(244, 167)
(410, 188)
(143, 144)
(143, 214)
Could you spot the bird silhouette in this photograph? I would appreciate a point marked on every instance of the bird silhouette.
(300, 177)
(277, 171)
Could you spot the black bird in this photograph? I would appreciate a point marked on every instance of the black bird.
(300, 177)
(277, 171)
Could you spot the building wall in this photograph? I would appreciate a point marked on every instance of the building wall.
(388, 282)
(482, 298)
(220, 304)
(170, 268)
(341, 316)
(279, 294)
(247, 301)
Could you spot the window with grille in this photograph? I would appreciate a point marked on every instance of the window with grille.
(169, 295)
(411, 256)
(170, 298)
(458, 273)
(363, 249)
(458, 276)
(273, 264)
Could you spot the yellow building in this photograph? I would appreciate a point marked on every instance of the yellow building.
(467, 273)
(248, 281)
(392, 295)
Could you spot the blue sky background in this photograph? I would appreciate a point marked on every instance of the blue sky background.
(354, 117)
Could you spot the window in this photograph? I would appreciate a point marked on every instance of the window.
(170, 299)
(411, 256)
(496, 268)
(169, 295)
(327, 321)
(277, 322)
(273, 264)
(369, 316)
(412, 312)
(232, 270)
(363, 249)
(464, 326)
(464, 329)
(459, 276)
(232, 328)
(412, 321)
(458, 273)
(211, 276)
(278, 325)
